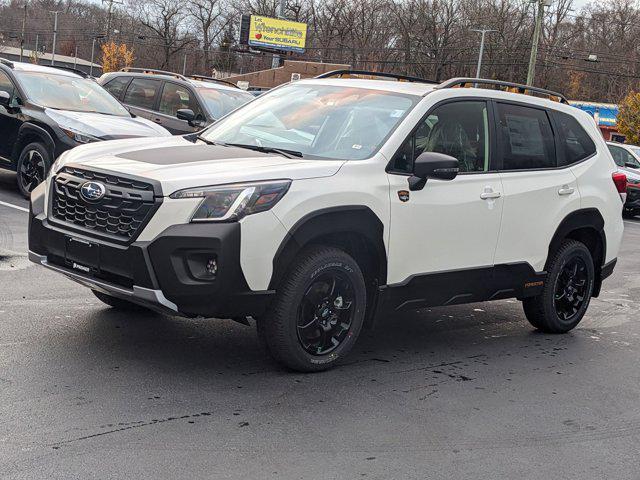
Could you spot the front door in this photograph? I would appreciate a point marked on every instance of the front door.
(447, 231)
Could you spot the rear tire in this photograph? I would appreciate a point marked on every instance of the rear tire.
(318, 311)
(32, 168)
(118, 303)
(567, 291)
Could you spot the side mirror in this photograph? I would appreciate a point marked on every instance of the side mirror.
(631, 165)
(186, 114)
(5, 99)
(432, 165)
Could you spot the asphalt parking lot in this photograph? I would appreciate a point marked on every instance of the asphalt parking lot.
(461, 392)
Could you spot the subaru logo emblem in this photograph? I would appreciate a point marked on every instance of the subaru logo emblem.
(92, 191)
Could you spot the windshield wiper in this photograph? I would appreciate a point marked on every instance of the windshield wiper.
(280, 151)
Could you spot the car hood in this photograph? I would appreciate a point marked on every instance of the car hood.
(177, 163)
(105, 126)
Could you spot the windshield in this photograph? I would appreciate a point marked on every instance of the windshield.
(220, 102)
(64, 92)
(319, 121)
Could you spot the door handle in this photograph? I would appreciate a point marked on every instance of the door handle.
(566, 190)
(157, 120)
(490, 194)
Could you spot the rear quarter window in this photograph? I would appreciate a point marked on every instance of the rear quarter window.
(574, 142)
(116, 86)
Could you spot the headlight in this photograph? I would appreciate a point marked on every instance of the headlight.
(79, 136)
(232, 202)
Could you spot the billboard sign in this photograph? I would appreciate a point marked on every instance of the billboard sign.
(274, 34)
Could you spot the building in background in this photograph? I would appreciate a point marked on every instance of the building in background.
(13, 54)
(605, 115)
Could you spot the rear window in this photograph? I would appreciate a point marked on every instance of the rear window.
(142, 93)
(574, 142)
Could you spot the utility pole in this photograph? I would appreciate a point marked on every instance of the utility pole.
(483, 31)
(184, 65)
(75, 58)
(275, 63)
(55, 36)
(24, 23)
(109, 12)
(93, 48)
(37, 53)
(536, 39)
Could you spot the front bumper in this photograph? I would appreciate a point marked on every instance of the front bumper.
(166, 274)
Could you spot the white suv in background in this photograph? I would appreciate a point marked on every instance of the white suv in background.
(327, 202)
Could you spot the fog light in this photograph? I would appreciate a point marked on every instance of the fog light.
(212, 267)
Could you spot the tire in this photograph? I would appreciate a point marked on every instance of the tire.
(118, 303)
(32, 168)
(627, 213)
(321, 301)
(567, 291)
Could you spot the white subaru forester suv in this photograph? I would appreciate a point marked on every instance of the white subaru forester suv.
(328, 202)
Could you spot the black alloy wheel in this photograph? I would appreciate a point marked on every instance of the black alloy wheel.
(32, 168)
(326, 313)
(571, 289)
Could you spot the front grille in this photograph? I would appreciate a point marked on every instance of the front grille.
(126, 206)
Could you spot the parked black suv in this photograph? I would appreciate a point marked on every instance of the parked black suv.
(45, 111)
(180, 104)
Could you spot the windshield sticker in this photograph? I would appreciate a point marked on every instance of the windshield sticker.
(356, 147)
(397, 113)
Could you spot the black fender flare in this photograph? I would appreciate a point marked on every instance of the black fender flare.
(28, 128)
(587, 218)
(348, 219)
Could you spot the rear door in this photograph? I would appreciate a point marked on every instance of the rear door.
(539, 192)
(142, 96)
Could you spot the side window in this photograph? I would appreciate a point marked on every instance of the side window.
(142, 93)
(116, 86)
(5, 84)
(575, 143)
(526, 138)
(176, 97)
(458, 129)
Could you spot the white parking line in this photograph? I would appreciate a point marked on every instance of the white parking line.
(637, 224)
(17, 207)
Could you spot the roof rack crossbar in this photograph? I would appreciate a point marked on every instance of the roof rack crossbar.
(6, 62)
(153, 71)
(401, 78)
(204, 78)
(474, 82)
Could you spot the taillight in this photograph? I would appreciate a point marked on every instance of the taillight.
(620, 181)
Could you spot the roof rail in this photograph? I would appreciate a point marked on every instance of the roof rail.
(506, 86)
(153, 71)
(70, 69)
(6, 62)
(398, 77)
(203, 78)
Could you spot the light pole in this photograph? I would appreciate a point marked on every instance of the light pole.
(93, 47)
(483, 31)
(275, 63)
(109, 11)
(531, 74)
(55, 36)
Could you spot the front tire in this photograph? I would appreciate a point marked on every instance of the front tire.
(318, 311)
(567, 291)
(32, 168)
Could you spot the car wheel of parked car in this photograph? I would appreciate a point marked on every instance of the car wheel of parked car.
(567, 291)
(318, 311)
(117, 303)
(33, 165)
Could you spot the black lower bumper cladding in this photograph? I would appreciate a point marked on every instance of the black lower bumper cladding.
(169, 273)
